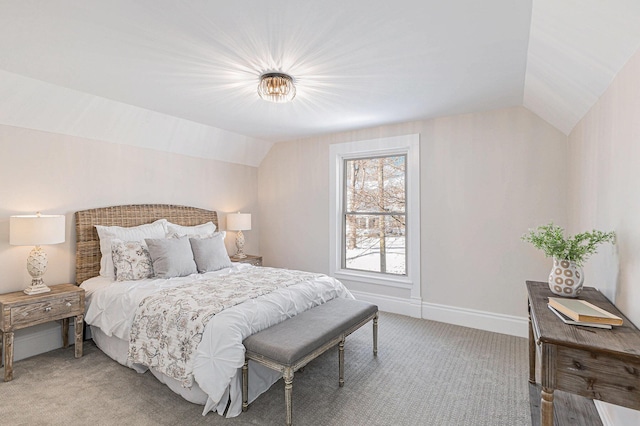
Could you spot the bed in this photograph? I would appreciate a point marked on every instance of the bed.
(218, 307)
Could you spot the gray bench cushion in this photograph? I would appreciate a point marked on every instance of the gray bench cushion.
(298, 336)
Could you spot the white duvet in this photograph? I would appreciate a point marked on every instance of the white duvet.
(220, 354)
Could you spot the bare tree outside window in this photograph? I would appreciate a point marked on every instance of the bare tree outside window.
(374, 214)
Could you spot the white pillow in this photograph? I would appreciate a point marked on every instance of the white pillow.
(203, 231)
(131, 259)
(156, 229)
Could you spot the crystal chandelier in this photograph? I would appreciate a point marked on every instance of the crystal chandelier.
(276, 87)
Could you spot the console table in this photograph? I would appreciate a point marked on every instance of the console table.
(592, 362)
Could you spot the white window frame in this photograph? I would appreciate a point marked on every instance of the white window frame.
(408, 145)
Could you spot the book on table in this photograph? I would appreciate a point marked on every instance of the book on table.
(565, 319)
(583, 311)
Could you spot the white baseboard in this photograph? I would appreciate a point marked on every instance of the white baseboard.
(395, 305)
(488, 321)
(614, 415)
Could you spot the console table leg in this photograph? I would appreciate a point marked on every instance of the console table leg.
(546, 407)
(532, 352)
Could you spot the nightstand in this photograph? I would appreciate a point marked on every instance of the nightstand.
(18, 310)
(250, 259)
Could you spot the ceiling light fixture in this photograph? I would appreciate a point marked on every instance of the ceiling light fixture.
(276, 87)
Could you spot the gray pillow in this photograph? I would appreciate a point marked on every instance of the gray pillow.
(171, 257)
(210, 253)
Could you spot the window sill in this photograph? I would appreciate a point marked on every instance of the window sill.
(400, 281)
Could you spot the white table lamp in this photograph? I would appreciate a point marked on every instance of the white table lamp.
(239, 222)
(36, 230)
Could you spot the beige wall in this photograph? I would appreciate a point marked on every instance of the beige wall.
(604, 188)
(60, 174)
(485, 179)
(604, 149)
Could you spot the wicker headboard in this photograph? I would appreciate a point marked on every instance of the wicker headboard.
(88, 244)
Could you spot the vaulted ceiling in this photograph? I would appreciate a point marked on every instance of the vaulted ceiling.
(182, 76)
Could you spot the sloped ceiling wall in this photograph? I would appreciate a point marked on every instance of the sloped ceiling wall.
(576, 48)
(34, 104)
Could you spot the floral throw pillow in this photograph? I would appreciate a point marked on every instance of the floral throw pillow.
(131, 260)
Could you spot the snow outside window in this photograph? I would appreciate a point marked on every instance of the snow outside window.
(374, 214)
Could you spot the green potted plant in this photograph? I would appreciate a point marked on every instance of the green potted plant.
(568, 253)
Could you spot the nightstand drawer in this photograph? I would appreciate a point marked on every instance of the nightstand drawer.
(45, 311)
(250, 259)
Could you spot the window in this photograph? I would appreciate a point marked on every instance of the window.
(375, 212)
(374, 217)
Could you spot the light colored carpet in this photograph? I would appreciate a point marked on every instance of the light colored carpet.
(426, 373)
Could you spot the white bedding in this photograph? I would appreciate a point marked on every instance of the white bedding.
(220, 354)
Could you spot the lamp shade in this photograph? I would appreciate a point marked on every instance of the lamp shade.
(239, 221)
(35, 230)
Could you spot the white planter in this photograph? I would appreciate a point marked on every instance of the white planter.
(566, 278)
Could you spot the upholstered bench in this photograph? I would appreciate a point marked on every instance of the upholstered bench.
(293, 343)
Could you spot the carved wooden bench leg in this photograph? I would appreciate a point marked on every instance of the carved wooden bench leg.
(245, 386)
(288, 393)
(341, 362)
(375, 335)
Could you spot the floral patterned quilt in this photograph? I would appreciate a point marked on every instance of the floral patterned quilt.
(168, 325)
